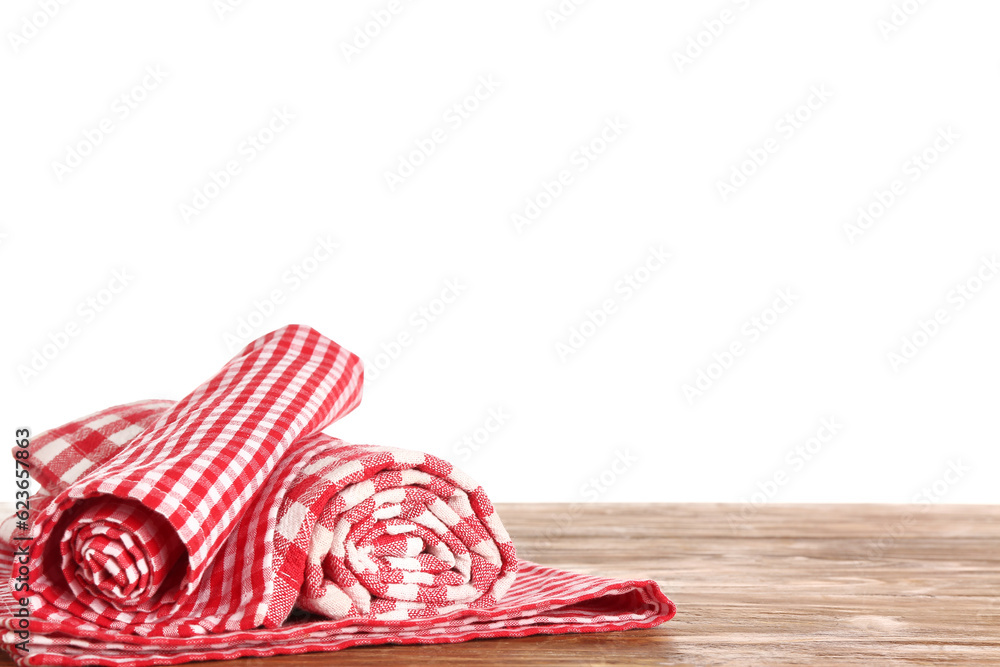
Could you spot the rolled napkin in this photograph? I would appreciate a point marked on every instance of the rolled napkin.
(228, 525)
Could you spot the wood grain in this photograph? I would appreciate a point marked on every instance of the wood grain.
(785, 584)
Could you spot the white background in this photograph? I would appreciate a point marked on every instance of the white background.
(686, 127)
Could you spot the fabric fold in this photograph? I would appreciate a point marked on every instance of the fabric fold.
(227, 524)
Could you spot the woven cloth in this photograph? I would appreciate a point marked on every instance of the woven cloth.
(227, 525)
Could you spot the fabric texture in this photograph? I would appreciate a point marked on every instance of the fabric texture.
(227, 524)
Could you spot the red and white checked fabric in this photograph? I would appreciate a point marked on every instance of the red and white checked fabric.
(228, 525)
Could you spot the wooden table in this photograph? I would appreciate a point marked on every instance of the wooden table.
(779, 584)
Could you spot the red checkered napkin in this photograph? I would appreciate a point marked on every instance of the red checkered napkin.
(170, 532)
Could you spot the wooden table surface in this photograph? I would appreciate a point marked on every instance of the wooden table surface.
(781, 584)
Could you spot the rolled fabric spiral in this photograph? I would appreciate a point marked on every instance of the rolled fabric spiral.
(227, 524)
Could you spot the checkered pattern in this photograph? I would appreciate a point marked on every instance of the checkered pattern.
(228, 525)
